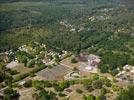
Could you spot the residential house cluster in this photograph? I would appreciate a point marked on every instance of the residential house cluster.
(127, 74)
(72, 28)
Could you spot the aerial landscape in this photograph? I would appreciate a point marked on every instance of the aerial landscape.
(66, 49)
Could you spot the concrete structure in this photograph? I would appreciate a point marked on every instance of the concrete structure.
(56, 73)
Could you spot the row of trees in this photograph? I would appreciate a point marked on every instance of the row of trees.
(58, 86)
(92, 97)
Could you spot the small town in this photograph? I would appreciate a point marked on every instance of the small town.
(33, 66)
(66, 49)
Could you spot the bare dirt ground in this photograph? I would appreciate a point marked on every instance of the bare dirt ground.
(22, 69)
(26, 94)
(68, 63)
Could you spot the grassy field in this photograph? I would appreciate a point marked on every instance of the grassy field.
(22, 69)
(68, 63)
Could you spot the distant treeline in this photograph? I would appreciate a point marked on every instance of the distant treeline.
(71, 1)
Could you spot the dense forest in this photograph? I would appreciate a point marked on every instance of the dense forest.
(103, 27)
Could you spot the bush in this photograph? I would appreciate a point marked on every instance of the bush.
(101, 97)
(28, 84)
(14, 72)
(126, 94)
(108, 84)
(79, 91)
(89, 88)
(89, 97)
(10, 94)
(20, 77)
(2, 85)
(97, 84)
(103, 91)
(31, 63)
(38, 85)
(114, 72)
(62, 95)
(75, 69)
(73, 60)
(61, 86)
(32, 75)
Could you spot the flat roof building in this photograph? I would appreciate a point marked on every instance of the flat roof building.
(56, 73)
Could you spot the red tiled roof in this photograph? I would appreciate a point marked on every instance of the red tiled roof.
(68, 90)
(82, 58)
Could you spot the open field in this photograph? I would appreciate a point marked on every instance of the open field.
(67, 62)
(22, 69)
(26, 94)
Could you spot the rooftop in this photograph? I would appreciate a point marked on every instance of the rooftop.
(12, 64)
(55, 73)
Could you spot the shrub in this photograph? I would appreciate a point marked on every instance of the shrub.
(62, 95)
(79, 91)
(89, 88)
(13, 72)
(103, 91)
(20, 77)
(28, 84)
(97, 84)
(73, 60)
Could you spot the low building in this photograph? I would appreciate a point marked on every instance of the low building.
(88, 69)
(56, 73)
(89, 58)
(12, 64)
(93, 59)
(90, 63)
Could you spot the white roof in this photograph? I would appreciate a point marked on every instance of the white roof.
(132, 71)
(93, 57)
(21, 83)
(89, 68)
(12, 64)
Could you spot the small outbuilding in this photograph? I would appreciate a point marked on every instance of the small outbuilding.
(12, 64)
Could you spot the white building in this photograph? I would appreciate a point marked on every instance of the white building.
(12, 64)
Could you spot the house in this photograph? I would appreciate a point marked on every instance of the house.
(93, 59)
(68, 90)
(126, 74)
(82, 57)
